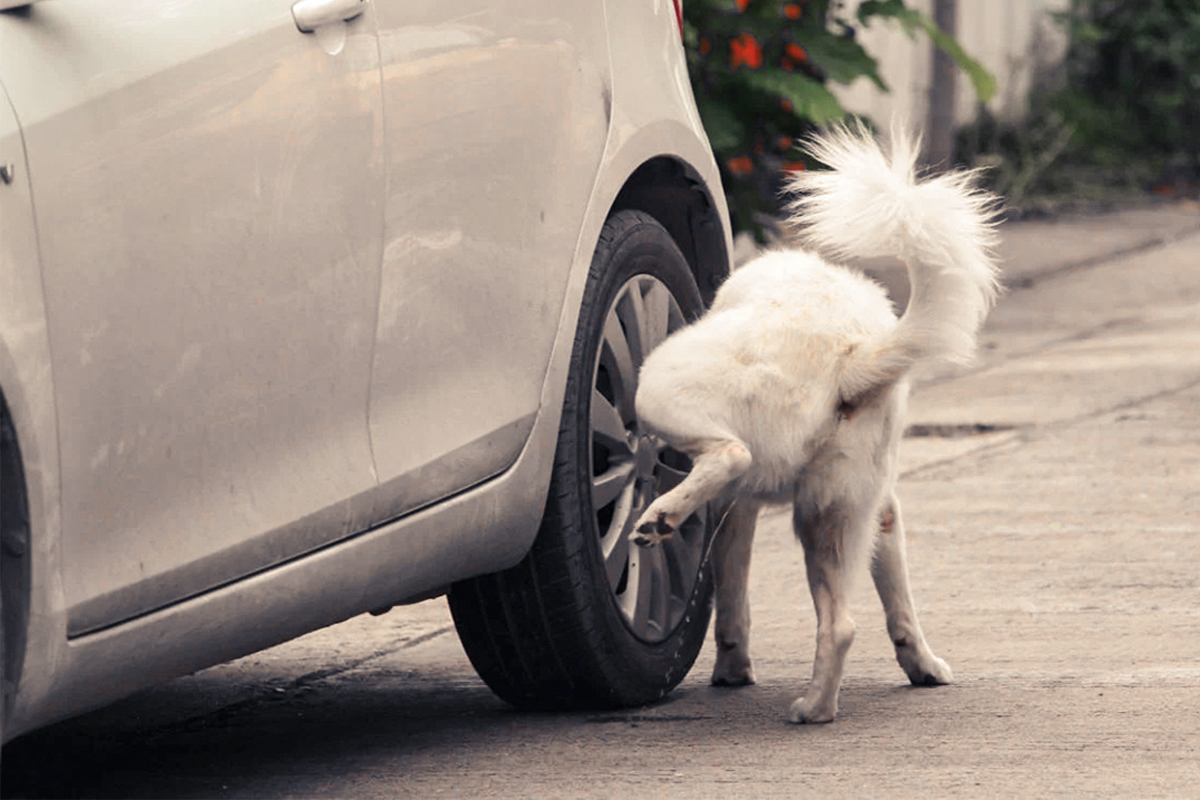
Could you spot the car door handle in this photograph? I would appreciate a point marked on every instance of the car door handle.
(311, 14)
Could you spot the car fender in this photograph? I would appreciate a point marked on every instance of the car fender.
(27, 386)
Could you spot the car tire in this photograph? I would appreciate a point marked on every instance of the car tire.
(587, 619)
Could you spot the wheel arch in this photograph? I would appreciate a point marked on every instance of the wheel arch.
(14, 558)
(669, 190)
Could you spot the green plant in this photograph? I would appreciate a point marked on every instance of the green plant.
(1122, 120)
(1133, 76)
(760, 70)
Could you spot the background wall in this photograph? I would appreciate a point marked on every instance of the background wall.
(1015, 39)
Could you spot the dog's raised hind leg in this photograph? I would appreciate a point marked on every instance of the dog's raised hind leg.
(890, 571)
(713, 468)
(731, 575)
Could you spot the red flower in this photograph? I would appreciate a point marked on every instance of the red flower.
(796, 53)
(746, 50)
(793, 11)
(740, 166)
(741, 4)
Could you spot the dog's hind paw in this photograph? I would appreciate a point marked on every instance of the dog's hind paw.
(731, 677)
(732, 667)
(651, 533)
(732, 683)
(921, 666)
(932, 671)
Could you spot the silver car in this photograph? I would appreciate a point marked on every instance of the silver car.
(310, 308)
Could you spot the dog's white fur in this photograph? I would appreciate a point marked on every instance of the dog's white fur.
(792, 388)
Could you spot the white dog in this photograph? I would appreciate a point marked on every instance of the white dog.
(792, 388)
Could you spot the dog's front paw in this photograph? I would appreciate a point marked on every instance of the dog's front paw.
(807, 711)
(652, 532)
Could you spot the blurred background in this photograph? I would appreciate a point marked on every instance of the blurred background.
(1067, 104)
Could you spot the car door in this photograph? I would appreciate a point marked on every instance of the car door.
(208, 184)
(497, 118)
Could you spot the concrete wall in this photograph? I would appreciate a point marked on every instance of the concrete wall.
(1015, 39)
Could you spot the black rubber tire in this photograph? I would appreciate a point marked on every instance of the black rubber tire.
(3, 688)
(548, 633)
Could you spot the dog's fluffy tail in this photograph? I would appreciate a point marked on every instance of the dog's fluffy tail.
(872, 204)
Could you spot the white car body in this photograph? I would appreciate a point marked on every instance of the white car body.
(285, 317)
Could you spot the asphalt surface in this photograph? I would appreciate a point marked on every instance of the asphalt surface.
(1052, 500)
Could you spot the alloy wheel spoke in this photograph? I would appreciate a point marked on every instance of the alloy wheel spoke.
(647, 614)
(632, 312)
(651, 586)
(668, 477)
(615, 548)
(608, 429)
(609, 484)
(618, 359)
(657, 318)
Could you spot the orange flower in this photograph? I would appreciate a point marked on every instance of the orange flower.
(792, 11)
(741, 4)
(740, 166)
(705, 45)
(745, 50)
(784, 143)
(796, 53)
(794, 166)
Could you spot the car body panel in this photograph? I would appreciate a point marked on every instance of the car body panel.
(497, 115)
(26, 381)
(485, 517)
(418, 555)
(213, 196)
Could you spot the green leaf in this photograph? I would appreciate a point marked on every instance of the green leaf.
(982, 80)
(809, 98)
(843, 59)
(880, 8)
(723, 124)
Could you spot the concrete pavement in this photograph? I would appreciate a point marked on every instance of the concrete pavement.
(1052, 500)
(1061, 551)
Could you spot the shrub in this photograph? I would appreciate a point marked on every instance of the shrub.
(1124, 117)
(759, 71)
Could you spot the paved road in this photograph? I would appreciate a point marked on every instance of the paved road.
(1053, 502)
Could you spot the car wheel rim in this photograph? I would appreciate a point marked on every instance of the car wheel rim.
(651, 586)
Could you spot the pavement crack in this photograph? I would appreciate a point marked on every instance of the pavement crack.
(1029, 433)
(1004, 359)
(275, 693)
(1031, 279)
(954, 431)
(425, 637)
(329, 672)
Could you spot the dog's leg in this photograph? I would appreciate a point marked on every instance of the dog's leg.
(731, 574)
(713, 469)
(834, 539)
(890, 571)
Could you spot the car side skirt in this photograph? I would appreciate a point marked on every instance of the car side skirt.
(406, 559)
